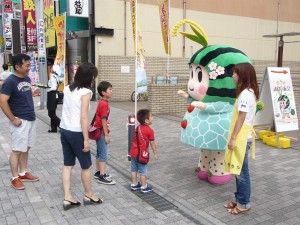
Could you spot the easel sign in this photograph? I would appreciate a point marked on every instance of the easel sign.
(276, 92)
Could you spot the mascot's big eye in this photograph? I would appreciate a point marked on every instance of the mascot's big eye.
(199, 72)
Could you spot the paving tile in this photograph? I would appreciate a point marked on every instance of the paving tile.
(275, 177)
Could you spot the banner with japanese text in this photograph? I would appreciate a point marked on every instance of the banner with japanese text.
(78, 8)
(60, 28)
(7, 16)
(133, 19)
(164, 23)
(28, 11)
(141, 77)
(49, 26)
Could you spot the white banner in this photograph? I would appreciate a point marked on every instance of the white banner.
(78, 8)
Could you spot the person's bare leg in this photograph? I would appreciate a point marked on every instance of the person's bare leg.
(66, 180)
(14, 162)
(23, 161)
(87, 184)
(134, 177)
(97, 165)
(102, 167)
(143, 180)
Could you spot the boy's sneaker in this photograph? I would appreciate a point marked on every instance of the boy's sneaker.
(17, 184)
(104, 180)
(146, 189)
(107, 175)
(135, 187)
(28, 177)
(97, 175)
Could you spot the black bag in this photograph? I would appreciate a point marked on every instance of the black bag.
(143, 153)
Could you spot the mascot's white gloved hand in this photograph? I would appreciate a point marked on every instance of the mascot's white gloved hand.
(199, 104)
(183, 94)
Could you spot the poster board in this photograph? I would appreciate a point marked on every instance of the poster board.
(276, 92)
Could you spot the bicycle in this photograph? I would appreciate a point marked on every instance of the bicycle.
(145, 96)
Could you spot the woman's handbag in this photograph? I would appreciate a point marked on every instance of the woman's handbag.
(94, 133)
(143, 153)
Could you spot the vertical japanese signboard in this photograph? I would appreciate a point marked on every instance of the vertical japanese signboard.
(28, 10)
(164, 22)
(141, 78)
(60, 28)
(49, 26)
(7, 16)
(41, 43)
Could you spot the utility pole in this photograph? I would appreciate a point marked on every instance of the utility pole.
(42, 57)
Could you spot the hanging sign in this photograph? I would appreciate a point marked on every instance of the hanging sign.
(8, 7)
(78, 8)
(49, 26)
(28, 10)
(164, 23)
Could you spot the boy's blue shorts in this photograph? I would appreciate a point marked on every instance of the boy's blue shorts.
(142, 169)
(101, 149)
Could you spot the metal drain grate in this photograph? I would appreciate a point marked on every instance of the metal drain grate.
(156, 201)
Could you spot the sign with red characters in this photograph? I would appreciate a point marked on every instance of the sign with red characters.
(28, 9)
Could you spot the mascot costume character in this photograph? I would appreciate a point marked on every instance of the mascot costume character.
(211, 96)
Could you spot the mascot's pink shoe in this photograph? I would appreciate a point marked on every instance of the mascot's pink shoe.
(202, 175)
(219, 179)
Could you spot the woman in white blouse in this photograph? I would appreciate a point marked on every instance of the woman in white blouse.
(74, 134)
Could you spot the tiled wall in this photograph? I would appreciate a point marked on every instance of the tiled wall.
(123, 83)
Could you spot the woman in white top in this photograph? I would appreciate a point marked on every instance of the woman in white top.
(242, 136)
(52, 98)
(74, 134)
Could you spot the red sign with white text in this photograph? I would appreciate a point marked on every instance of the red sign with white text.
(7, 6)
(28, 9)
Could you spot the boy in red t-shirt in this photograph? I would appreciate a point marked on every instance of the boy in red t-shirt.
(102, 122)
(146, 136)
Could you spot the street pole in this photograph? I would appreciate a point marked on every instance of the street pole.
(280, 52)
(43, 76)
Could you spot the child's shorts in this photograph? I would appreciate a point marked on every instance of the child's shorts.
(138, 167)
(102, 149)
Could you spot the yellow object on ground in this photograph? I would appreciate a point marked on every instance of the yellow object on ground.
(261, 133)
(283, 142)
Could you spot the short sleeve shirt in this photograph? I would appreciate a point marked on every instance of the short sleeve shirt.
(246, 103)
(102, 112)
(20, 100)
(148, 135)
(71, 112)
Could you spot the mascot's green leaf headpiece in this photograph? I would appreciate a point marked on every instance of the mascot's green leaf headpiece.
(218, 61)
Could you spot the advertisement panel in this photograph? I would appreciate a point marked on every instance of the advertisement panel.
(28, 10)
(49, 26)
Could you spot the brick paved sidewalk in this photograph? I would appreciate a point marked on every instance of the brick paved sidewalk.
(275, 182)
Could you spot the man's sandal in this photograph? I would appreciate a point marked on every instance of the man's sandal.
(230, 205)
(236, 210)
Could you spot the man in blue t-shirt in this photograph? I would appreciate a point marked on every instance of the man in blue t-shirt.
(17, 104)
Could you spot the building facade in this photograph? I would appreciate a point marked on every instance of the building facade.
(238, 23)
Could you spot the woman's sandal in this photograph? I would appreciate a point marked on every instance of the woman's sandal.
(90, 201)
(70, 205)
(230, 205)
(236, 210)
